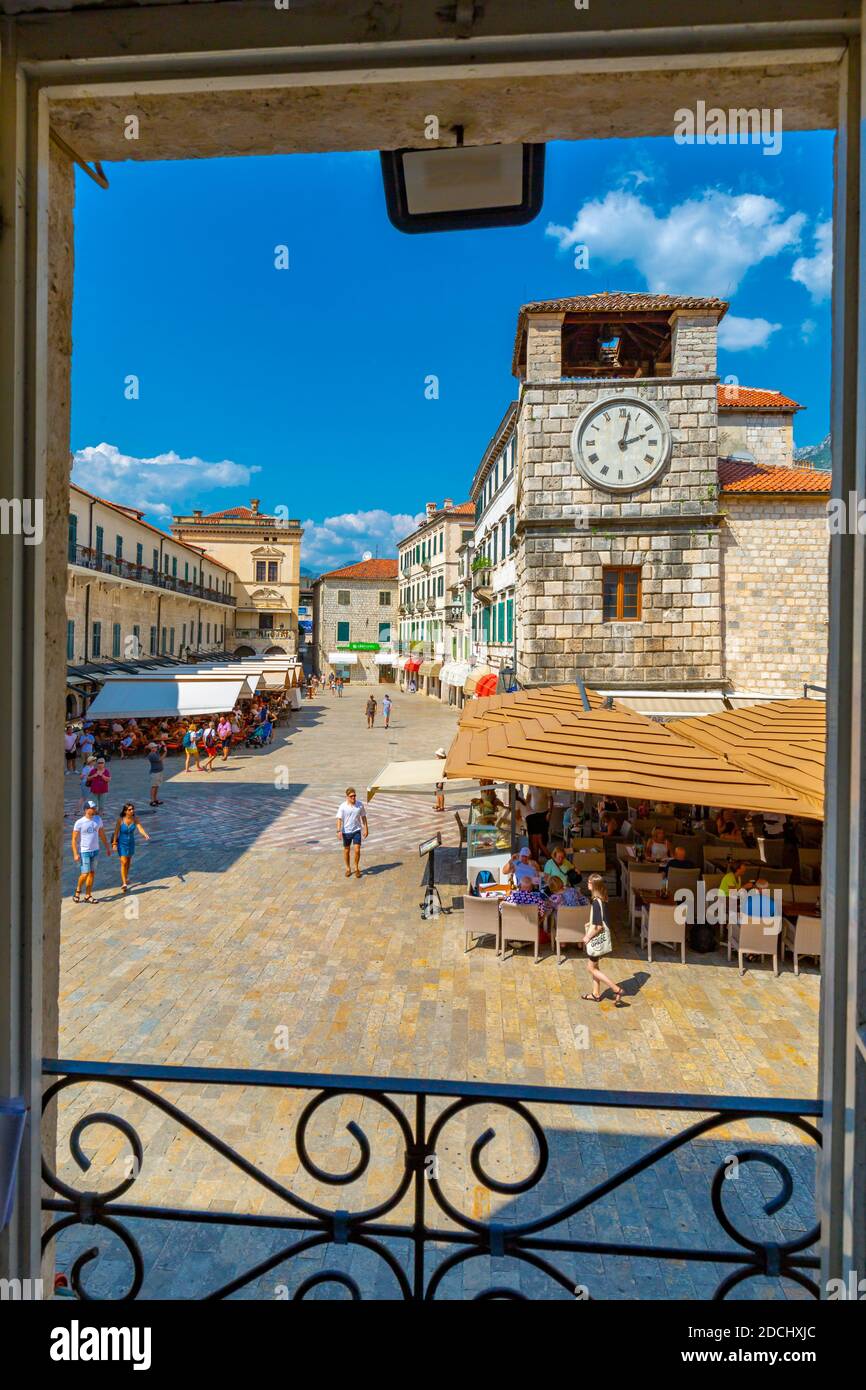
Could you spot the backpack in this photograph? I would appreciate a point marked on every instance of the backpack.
(483, 876)
(187, 739)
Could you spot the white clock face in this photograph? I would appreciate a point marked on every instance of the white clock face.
(621, 443)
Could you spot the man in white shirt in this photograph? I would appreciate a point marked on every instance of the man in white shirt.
(352, 827)
(86, 834)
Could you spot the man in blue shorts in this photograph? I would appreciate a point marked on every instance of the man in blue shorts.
(352, 826)
(86, 834)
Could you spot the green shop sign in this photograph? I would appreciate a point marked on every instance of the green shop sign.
(359, 647)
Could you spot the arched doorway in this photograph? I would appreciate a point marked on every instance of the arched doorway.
(243, 651)
(275, 651)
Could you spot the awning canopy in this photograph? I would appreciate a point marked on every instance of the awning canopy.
(161, 697)
(419, 774)
(430, 668)
(549, 699)
(486, 685)
(454, 673)
(386, 659)
(412, 663)
(616, 751)
(784, 741)
(665, 704)
(342, 658)
(474, 677)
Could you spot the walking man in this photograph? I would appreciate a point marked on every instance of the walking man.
(86, 834)
(155, 755)
(352, 826)
(371, 711)
(386, 710)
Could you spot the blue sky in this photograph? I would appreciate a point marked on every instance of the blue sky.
(306, 387)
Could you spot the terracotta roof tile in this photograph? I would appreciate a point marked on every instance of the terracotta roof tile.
(610, 303)
(236, 513)
(364, 569)
(736, 475)
(754, 398)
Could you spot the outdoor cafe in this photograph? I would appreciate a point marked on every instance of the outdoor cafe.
(707, 829)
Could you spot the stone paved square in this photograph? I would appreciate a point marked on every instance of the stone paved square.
(243, 945)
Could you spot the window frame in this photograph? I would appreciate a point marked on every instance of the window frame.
(621, 571)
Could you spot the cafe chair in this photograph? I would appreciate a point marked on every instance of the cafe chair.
(587, 842)
(651, 879)
(519, 922)
(461, 829)
(480, 918)
(806, 892)
(810, 864)
(682, 878)
(570, 925)
(665, 924)
(754, 937)
(775, 876)
(712, 881)
(802, 938)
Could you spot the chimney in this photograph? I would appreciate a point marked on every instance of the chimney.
(430, 509)
(196, 516)
(254, 505)
(448, 504)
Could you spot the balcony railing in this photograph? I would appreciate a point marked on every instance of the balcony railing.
(265, 633)
(425, 1130)
(104, 563)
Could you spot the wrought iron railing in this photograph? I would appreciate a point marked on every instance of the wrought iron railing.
(105, 563)
(419, 1254)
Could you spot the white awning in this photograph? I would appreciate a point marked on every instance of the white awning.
(419, 774)
(454, 673)
(735, 699)
(156, 699)
(342, 658)
(665, 704)
(386, 659)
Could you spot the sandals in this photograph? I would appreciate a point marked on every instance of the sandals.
(76, 897)
(357, 873)
(90, 900)
(348, 873)
(595, 998)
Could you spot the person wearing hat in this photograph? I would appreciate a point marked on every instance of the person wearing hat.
(155, 755)
(523, 869)
(86, 834)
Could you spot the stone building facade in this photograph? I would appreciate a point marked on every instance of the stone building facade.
(431, 613)
(134, 591)
(759, 423)
(265, 554)
(775, 551)
(675, 584)
(492, 571)
(355, 622)
(572, 534)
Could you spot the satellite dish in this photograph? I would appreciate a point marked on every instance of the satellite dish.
(368, 555)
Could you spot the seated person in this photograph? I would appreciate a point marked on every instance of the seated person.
(680, 859)
(556, 870)
(658, 847)
(524, 870)
(724, 823)
(570, 896)
(743, 876)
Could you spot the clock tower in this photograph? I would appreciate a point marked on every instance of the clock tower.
(618, 525)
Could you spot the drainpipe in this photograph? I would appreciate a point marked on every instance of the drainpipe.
(86, 620)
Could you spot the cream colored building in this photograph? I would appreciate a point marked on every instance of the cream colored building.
(431, 610)
(265, 554)
(132, 590)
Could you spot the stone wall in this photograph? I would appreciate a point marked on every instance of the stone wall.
(138, 604)
(363, 613)
(770, 438)
(569, 530)
(693, 343)
(775, 554)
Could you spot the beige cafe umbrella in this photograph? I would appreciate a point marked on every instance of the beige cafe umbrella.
(784, 741)
(616, 751)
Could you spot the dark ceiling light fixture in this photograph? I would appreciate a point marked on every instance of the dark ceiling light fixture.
(459, 187)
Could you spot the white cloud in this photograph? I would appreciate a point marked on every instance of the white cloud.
(816, 272)
(146, 483)
(807, 329)
(738, 334)
(342, 540)
(704, 245)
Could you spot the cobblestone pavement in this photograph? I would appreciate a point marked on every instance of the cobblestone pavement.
(244, 945)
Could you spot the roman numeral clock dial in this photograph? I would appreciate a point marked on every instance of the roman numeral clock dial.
(621, 443)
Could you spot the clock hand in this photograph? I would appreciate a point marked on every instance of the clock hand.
(625, 430)
(635, 438)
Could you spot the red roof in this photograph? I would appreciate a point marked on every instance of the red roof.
(235, 513)
(738, 476)
(365, 569)
(754, 398)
